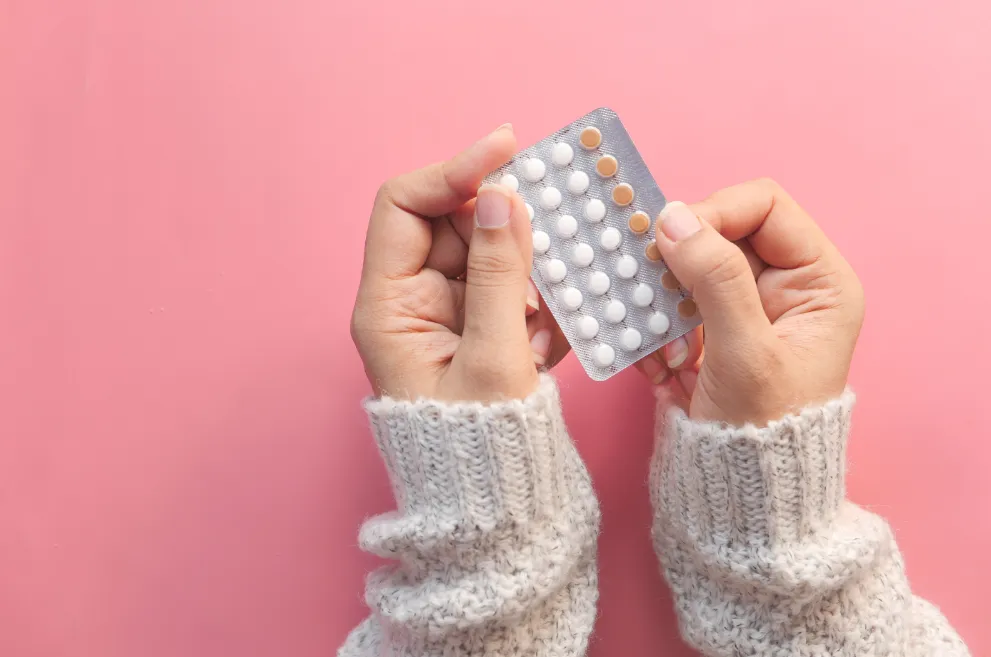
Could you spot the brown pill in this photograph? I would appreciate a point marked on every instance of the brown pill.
(622, 194)
(639, 222)
(687, 308)
(590, 138)
(669, 281)
(652, 252)
(607, 166)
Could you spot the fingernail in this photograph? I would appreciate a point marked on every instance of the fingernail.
(504, 126)
(676, 352)
(492, 207)
(678, 221)
(655, 372)
(532, 295)
(540, 345)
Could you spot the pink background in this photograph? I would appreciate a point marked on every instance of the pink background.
(184, 187)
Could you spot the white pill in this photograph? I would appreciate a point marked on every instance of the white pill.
(615, 311)
(643, 295)
(598, 283)
(587, 327)
(658, 323)
(595, 210)
(582, 256)
(626, 267)
(550, 198)
(541, 241)
(510, 181)
(534, 169)
(571, 298)
(555, 270)
(610, 239)
(567, 226)
(529, 211)
(578, 182)
(630, 339)
(603, 355)
(562, 154)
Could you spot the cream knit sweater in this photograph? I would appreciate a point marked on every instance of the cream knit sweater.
(495, 537)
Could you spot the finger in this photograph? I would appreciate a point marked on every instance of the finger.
(688, 379)
(448, 252)
(685, 351)
(653, 368)
(782, 233)
(398, 239)
(559, 346)
(532, 298)
(713, 269)
(757, 266)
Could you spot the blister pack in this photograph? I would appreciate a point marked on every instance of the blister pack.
(592, 204)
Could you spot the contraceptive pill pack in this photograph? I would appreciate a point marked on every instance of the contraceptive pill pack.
(592, 204)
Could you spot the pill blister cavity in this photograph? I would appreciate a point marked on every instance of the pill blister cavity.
(541, 242)
(643, 295)
(626, 267)
(615, 312)
(590, 138)
(687, 308)
(639, 222)
(566, 226)
(630, 339)
(603, 355)
(562, 154)
(582, 255)
(571, 298)
(529, 211)
(607, 166)
(587, 327)
(652, 253)
(659, 324)
(598, 283)
(550, 198)
(595, 210)
(555, 270)
(578, 182)
(534, 169)
(669, 282)
(610, 239)
(509, 181)
(622, 194)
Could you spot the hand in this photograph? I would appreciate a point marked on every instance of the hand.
(782, 308)
(446, 308)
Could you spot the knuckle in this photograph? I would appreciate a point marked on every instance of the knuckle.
(388, 192)
(771, 186)
(724, 268)
(490, 266)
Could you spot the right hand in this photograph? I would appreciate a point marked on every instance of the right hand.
(782, 308)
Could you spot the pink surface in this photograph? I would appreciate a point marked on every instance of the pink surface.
(183, 194)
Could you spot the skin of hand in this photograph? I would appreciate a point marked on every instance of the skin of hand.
(782, 309)
(445, 308)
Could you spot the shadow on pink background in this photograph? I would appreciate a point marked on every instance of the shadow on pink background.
(184, 188)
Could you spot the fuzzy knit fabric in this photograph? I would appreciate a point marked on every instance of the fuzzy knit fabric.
(494, 539)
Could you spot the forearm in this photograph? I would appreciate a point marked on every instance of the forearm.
(764, 555)
(494, 536)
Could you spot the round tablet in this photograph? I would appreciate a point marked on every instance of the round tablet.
(607, 166)
(615, 312)
(571, 298)
(582, 256)
(555, 270)
(630, 339)
(627, 266)
(668, 281)
(658, 323)
(603, 355)
(595, 210)
(652, 252)
(590, 138)
(567, 226)
(587, 327)
(598, 283)
(639, 222)
(550, 198)
(643, 295)
(578, 182)
(610, 239)
(562, 154)
(510, 181)
(529, 211)
(622, 194)
(541, 242)
(687, 308)
(533, 169)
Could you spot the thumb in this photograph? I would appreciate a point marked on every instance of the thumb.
(498, 272)
(714, 270)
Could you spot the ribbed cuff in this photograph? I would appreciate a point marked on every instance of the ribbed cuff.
(474, 464)
(733, 486)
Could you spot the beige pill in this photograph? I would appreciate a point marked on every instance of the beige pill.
(652, 252)
(590, 138)
(687, 308)
(639, 222)
(669, 281)
(622, 194)
(607, 166)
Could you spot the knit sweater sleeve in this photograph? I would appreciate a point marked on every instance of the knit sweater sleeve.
(494, 538)
(766, 557)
